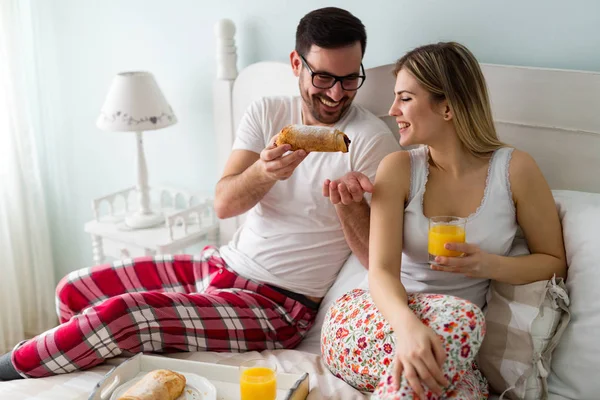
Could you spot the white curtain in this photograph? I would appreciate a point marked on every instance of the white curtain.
(26, 270)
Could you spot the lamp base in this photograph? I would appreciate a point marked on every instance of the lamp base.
(141, 221)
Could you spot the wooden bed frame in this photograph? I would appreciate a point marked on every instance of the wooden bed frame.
(552, 114)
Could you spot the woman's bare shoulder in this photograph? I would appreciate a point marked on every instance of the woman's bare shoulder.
(522, 165)
(397, 159)
(521, 160)
(394, 170)
(525, 174)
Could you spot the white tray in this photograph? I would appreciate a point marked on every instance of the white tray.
(225, 378)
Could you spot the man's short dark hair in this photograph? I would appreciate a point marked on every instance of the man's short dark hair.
(329, 28)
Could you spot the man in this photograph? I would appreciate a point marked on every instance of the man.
(261, 291)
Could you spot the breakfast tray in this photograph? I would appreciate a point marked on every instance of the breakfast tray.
(225, 378)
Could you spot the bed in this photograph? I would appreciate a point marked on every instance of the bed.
(552, 114)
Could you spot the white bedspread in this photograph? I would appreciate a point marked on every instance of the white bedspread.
(79, 385)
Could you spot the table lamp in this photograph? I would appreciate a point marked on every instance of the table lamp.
(135, 103)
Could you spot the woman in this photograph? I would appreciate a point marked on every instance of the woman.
(419, 329)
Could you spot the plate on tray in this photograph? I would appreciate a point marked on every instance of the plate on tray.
(196, 387)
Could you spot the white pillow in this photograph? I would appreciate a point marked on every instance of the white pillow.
(576, 360)
(352, 275)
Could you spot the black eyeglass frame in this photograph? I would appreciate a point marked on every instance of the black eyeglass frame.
(336, 79)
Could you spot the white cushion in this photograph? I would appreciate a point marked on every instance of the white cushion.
(576, 360)
(352, 275)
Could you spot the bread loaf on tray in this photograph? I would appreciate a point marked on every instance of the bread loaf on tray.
(160, 384)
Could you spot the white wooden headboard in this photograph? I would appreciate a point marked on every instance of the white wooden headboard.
(552, 114)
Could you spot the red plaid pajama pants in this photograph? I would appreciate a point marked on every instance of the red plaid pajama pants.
(161, 304)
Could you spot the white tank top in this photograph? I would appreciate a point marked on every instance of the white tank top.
(492, 227)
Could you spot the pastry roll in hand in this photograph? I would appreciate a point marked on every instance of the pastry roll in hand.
(160, 384)
(313, 138)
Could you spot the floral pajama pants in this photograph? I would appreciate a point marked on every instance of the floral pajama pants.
(357, 344)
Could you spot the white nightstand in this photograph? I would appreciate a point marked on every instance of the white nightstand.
(189, 220)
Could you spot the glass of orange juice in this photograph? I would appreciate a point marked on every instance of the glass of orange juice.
(258, 380)
(444, 230)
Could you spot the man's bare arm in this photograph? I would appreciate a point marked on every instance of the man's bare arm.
(237, 192)
(249, 176)
(347, 194)
(355, 220)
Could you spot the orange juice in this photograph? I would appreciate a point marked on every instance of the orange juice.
(439, 235)
(258, 383)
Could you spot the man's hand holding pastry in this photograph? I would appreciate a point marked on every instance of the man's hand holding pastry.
(348, 189)
(276, 165)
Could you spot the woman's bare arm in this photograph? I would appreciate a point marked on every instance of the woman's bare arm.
(538, 217)
(385, 239)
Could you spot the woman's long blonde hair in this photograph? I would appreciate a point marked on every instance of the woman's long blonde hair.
(449, 71)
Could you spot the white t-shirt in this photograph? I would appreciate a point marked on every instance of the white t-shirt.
(293, 238)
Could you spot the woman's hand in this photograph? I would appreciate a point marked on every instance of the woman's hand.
(419, 356)
(473, 263)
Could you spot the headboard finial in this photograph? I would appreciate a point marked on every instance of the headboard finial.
(225, 29)
(226, 50)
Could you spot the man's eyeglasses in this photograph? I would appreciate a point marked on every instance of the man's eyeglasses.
(322, 80)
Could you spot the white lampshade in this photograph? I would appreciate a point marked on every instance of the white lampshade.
(135, 103)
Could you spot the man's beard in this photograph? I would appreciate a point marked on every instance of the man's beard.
(315, 107)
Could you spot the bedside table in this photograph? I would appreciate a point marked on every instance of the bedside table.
(189, 220)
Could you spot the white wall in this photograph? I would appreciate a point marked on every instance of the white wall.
(82, 44)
